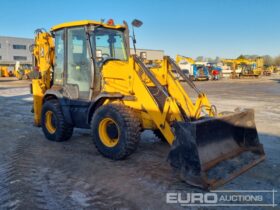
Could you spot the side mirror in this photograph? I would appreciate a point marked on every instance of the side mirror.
(137, 23)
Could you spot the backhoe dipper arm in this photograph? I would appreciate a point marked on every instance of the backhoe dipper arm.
(43, 53)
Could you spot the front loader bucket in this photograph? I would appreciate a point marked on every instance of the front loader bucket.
(212, 151)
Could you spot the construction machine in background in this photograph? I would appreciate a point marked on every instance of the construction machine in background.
(184, 60)
(18, 71)
(250, 67)
(233, 72)
(192, 69)
(23, 72)
(245, 68)
(268, 70)
(200, 72)
(4, 72)
(259, 66)
(88, 79)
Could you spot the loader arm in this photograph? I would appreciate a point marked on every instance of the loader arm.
(201, 144)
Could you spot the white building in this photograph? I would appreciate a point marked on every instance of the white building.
(13, 49)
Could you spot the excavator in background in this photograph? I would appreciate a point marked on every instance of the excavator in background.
(89, 79)
(19, 71)
(184, 59)
(186, 65)
(233, 72)
(22, 72)
(245, 68)
(191, 69)
(251, 67)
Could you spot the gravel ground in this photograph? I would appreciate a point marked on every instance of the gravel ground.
(39, 174)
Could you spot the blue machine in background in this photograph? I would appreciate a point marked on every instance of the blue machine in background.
(200, 72)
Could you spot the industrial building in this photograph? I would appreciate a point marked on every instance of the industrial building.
(151, 54)
(13, 49)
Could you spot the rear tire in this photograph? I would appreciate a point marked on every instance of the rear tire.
(115, 131)
(53, 123)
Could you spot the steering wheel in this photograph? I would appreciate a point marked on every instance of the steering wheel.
(105, 56)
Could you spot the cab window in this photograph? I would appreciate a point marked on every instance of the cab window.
(59, 58)
(109, 44)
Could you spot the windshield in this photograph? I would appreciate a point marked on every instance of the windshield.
(109, 44)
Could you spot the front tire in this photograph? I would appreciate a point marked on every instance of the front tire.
(53, 123)
(115, 131)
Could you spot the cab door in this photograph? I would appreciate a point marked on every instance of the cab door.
(59, 37)
(78, 66)
(78, 75)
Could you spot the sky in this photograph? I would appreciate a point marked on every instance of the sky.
(210, 28)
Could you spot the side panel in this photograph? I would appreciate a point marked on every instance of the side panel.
(78, 112)
(74, 111)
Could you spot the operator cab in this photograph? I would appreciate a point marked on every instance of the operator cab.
(81, 48)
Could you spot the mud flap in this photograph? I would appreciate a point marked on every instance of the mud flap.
(212, 151)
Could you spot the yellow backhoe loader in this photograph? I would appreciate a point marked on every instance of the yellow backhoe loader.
(88, 79)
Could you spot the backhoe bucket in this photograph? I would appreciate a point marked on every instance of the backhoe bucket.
(212, 151)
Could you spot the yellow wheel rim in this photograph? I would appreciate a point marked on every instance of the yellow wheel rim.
(49, 122)
(109, 132)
